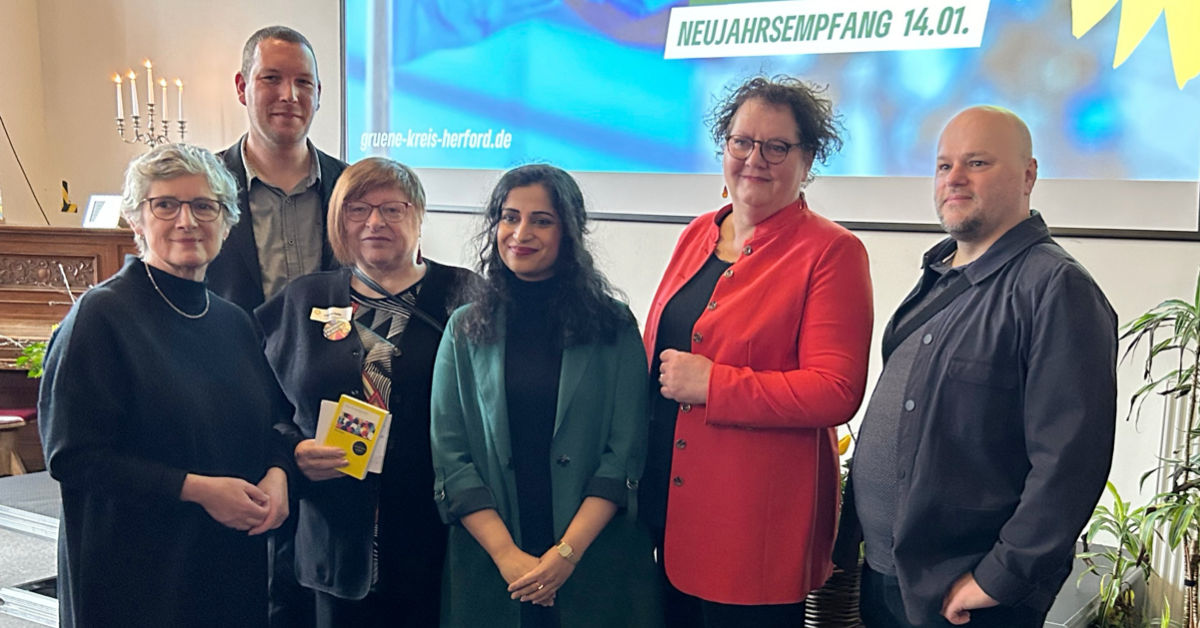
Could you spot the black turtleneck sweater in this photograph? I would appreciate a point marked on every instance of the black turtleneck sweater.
(532, 363)
(135, 397)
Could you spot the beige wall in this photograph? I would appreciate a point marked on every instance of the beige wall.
(21, 100)
(57, 57)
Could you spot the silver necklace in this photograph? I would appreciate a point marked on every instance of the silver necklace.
(164, 297)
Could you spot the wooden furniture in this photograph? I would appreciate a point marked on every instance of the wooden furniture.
(42, 270)
(10, 460)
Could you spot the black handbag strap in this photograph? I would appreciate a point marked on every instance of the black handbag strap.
(922, 316)
(413, 310)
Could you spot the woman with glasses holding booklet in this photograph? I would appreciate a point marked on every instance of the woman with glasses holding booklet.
(156, 414)
(371, 549)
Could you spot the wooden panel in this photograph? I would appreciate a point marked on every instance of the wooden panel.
(42, 270)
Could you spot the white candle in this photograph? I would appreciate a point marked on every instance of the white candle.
(149, 82)
(179, 84)
(163, 83)
(120, 104)
(133, 92)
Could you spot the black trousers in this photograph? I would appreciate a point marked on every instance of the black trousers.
(404, 605)
(880, 606)
(377, 610)
(686, 611)
(291, 605)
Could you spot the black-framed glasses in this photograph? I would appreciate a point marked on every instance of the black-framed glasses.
(772, 151)
(167, 208)
(393, 211)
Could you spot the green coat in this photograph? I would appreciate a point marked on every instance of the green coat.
(598, 448)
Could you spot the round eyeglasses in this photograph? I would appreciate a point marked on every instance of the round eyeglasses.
(394, 211)
(772, 151)
(167, 208)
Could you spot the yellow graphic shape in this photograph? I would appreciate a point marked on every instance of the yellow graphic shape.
(1137, 17)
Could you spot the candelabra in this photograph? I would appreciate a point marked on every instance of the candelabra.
(151, 138)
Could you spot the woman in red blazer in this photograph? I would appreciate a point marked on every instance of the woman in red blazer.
(758, 339)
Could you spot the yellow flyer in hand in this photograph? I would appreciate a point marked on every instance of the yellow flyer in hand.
(355, 429)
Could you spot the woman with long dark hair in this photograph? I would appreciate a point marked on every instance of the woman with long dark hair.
(539, 426)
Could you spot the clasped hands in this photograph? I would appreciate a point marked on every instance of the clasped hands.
(238, 504)
(684, 376)
(531, 579)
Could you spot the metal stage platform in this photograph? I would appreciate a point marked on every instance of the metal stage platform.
(29, 511)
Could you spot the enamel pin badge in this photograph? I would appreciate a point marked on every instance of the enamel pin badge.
(336, 319)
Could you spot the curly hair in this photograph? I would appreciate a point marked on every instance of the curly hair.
(585, 307)
(816, 120)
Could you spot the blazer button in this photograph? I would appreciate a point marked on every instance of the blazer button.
(677, 481)
(686, 407)
(697, 338)
(927, 339)
(681, 444)
(909, 405)
(631, 484)
(564, 461)
(712, 305)
(728, 273)
(747, 250)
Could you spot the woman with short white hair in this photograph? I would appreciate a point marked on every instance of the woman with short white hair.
(156, 411)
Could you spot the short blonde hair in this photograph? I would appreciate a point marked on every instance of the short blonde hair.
(168, 161)
(359, 180)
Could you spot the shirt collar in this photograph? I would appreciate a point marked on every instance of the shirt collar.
(1024, 235)
(774, 223)
(314, 167)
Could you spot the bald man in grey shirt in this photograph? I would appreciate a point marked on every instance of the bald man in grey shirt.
(990, 434)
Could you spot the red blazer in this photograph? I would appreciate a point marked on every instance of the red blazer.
(755, 485)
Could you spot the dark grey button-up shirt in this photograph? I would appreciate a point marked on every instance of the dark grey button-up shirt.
(287, 225)
(875, 465)
(1009, 443)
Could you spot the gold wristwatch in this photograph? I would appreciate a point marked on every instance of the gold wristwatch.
(564, 550)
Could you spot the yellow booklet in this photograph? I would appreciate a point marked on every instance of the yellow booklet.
(355, 428)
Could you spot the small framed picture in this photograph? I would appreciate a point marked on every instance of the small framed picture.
(103, 212)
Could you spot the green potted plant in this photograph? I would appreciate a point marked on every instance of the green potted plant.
(31, 358)
(1170, 335)
(1134, 532)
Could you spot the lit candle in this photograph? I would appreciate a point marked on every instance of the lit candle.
(179, 84)
(149, 82)
(120, 104)
(163, 83)
(133, 92)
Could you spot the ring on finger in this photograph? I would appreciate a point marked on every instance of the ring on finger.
(541, 586)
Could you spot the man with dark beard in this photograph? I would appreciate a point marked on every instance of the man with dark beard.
(988, 439)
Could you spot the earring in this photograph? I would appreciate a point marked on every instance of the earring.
(420, 260)
(725, 192)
